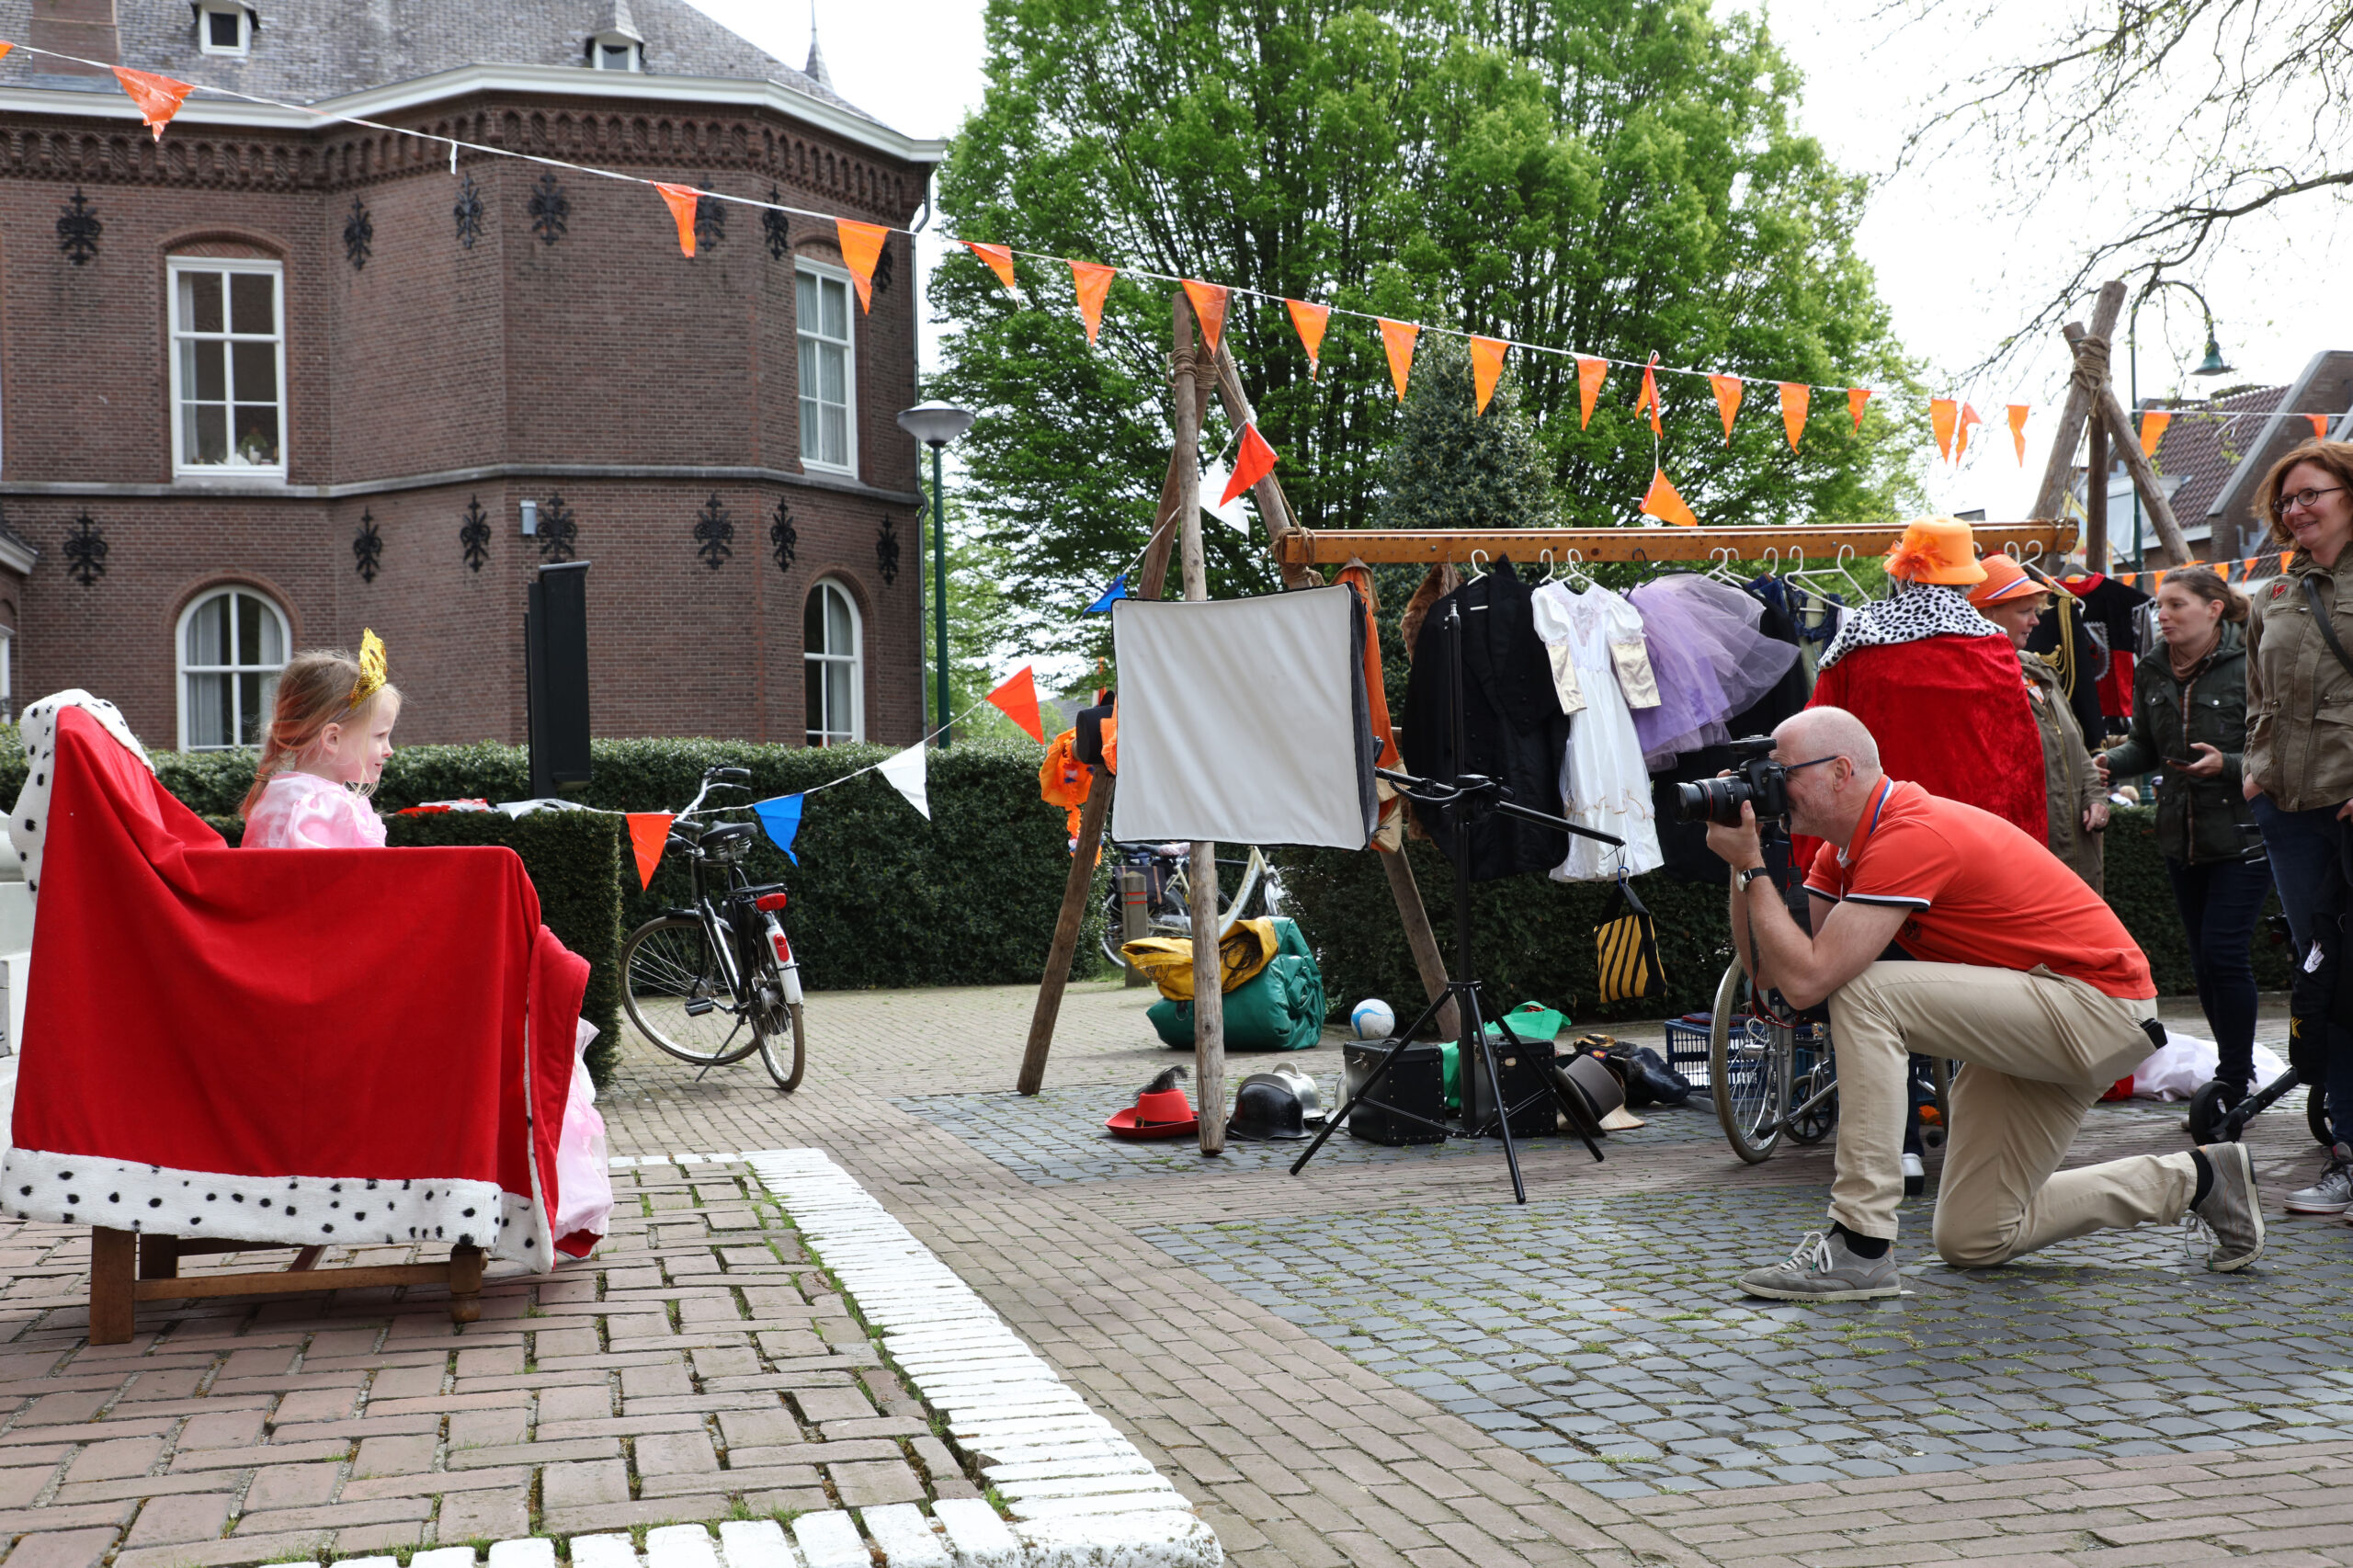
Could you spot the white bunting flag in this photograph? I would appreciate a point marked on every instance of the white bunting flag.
(906, 773)
(1214, 480)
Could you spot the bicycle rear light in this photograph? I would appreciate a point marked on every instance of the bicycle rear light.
(769, 901)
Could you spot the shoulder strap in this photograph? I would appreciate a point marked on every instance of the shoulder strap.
(2321, 618)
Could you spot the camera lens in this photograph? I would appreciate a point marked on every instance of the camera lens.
(1713, 800)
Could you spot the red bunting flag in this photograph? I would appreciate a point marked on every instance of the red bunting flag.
(1796, 398)
(1093, 282)
(648, 833)
(1486, 367)
(1251, 464)
(2018, 410)
(158, 98)
(1729, 391)
(2153, 430)
(1589, 374)
(999, 258)
(1017, 698)
(861, 248)
(682, 201)
(1856, 398)
(1208, 309)
(2320, 426)
(1397, 342)
(1309, 320)
(1662, 500)
(1648, 400)
(1943, 413)
(1968, 415)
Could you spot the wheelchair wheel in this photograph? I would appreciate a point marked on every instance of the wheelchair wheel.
(1749, 1070)
(2316, 1117)
(775, 1055)
(677, 996)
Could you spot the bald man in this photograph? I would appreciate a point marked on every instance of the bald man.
(2018, 969)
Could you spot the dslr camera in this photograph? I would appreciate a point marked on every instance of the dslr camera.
(1759, 780)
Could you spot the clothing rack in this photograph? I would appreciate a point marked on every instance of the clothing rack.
(1298, 547)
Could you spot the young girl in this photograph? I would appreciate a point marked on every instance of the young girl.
(329, 734)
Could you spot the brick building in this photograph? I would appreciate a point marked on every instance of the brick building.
(273, 380)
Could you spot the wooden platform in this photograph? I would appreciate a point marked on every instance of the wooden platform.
(128, 1267)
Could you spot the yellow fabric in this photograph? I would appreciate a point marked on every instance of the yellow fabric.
(1167, 962)
(1622, 950)
(371, 669)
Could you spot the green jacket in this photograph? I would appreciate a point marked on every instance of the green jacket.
(2299, 746)
(2199, 820)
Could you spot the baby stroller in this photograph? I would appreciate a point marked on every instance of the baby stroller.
(2321, 994)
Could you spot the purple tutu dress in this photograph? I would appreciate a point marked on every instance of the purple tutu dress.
(1710, 659)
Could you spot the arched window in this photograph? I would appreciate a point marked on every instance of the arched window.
(830, 638)
(231, 644)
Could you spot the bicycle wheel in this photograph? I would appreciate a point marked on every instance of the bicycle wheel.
(1813, 1070)
(677, 994)
(1749, 1070)
(772, 1051)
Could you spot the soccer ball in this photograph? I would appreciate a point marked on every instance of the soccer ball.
(1372, 1019)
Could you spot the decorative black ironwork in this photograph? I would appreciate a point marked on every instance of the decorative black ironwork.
(551, 208)
(86, 552)
(774, 226)
(784, 539)
(559, 530)
(711, 222)
(359, 235)
(78, 229)
(886, 552)
(473, 535)
(469, 213)
(367, 548)
(714, 533)
(882, 268)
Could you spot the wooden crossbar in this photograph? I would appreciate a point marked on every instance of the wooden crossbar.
(2045, 541)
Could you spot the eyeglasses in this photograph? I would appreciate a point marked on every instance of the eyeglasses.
(2306, 499)
(1817, 762)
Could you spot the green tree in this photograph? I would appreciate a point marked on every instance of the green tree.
(982, 635)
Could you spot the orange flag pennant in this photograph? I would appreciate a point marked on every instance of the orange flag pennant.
(1309, 321)
(1589, 374)
(1968, 415)
(861, 248)
(1093, 281)
(1397, 341)
(2018, 410)
(1943, 412)
(5, 48)
(1017, 698)
(1663, 501)
(648, 833)
(1486, 367)
(1729, 391)
(1208, 309)
(2153, 430)
(1796, 398)
(1856, 398)
(158, 98)
(1251, 464)
(1648, 400)
(682, 201)
(2320, 426)
(999, 258)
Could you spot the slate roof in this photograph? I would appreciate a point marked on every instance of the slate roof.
(2204, 445)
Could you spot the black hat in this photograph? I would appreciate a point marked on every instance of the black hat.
(1266, 1107)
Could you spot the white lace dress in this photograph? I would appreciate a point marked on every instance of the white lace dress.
(1604, 785)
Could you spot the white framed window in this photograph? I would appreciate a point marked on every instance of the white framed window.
(232, 644)
(828, 368)
(616, 51)
(228, 366)
(223, 29)
(7, 676)
(830, 645)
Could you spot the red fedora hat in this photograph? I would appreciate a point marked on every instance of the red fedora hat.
(1161, 1111)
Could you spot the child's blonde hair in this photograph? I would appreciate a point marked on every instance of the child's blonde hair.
(314, 691)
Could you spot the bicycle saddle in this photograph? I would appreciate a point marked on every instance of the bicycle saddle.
(719, 837)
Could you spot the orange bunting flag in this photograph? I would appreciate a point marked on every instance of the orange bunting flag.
(1661, 501)
(1968, 415)
(648, 833)
(1208, 309)
(1856, 398)
(1309, 321)
(2153, 430)
(5, 48)
(1942, 414)
(158, 98)
(2018, 412)
(999, 258)
(2320, 426)
(1017, 698)
(861, 248)
(1251, 464)
(1796, 398)
(682, 201)
(1397, 339)
(1729, 391)
(1648, 400)
(1589, 374)
(1486, 367)
(1093, 281)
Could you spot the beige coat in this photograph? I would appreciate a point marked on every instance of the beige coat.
(2069, 786)
(2299, 697)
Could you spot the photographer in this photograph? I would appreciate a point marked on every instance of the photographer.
(2022, 973)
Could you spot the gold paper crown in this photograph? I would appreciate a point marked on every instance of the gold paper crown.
(371, 668)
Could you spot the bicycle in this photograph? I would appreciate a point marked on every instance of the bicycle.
(1167, 888)
(696, 977)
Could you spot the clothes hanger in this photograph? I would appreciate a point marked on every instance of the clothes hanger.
(1477, 570)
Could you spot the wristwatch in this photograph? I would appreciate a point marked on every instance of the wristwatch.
(1751, 874)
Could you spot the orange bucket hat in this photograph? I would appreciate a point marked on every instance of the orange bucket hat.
(1936, 550)
(2005, 580)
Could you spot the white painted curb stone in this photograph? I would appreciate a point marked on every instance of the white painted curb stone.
(831, 1541)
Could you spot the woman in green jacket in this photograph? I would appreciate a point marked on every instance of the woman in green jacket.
(2189, 722)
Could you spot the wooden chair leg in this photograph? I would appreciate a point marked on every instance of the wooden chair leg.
(113, 1305)
(465, 1283)
(159, 1257)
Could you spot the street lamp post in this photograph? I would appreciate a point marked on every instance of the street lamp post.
(2212, 366)
(936, 424)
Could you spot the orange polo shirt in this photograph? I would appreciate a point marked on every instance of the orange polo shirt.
(1979, 892)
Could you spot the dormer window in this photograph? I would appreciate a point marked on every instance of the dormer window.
(223, 29)
(616, 51)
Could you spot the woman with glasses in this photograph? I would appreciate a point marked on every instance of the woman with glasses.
(2299, 762)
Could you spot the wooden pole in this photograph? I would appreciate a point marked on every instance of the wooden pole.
(1209, 996)
(1416, 917)
(1091, 817)
(2096, 498)
(2059, 472)
(2110, 411)
(1274, 506)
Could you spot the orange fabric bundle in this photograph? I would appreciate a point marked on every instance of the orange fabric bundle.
(1063, 780)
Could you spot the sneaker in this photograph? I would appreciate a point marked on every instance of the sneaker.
(2332, 1193)
(1822, 1269)
(1916, 1177)
(2233, 1209)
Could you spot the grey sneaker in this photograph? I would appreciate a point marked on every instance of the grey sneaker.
(1822, 1269)
(2233, 1209)
(2332, 1193)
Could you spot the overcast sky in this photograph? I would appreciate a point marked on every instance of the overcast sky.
(1958, 274)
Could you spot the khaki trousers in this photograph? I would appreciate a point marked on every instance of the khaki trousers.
(2040, 1049)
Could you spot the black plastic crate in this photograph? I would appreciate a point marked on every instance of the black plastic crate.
(1686, 1051)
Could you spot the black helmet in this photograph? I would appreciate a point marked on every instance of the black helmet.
(1266, 1107)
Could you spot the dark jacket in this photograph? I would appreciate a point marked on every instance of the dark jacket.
(2199, 820)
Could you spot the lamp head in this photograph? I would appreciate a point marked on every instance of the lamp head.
(2213, 365)
(936, 424)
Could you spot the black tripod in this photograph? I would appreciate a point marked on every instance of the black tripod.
(1466, 798)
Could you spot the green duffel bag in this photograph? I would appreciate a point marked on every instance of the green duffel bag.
(1279, 1008)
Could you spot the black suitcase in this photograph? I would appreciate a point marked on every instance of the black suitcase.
(1526, 1070)
(1415, 1084)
